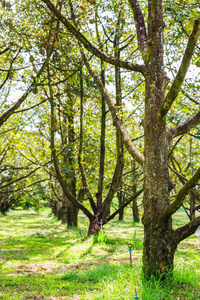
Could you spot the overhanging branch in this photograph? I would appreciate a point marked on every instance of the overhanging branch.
(90, 47)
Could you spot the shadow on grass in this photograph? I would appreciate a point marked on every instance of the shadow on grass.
(99, 273)
(33, 246)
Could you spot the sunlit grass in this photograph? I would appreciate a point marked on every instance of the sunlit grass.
(41, 259)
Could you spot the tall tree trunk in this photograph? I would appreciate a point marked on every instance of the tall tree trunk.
(59, 210)
(72, 214)
(158, 252)
(118, 96)
(54, 208)
(135, 210)
(69, 210)
(134, 204)
(120, 197)
(94, 226)
(192, 207)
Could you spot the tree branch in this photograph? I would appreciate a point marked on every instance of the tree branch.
(175, 205)
(5, 50)
(80, 150)
(189, 97)
(183, 180)
(18, 179)
(184, 127)
(124, 205)
(176, 85)
(185, 231)
(55, 193)
(9, 70)
(11, 110)
(29, 108)
(140, 26)
(116, 120)
(90, 47)
(114, 184)
(23, 188)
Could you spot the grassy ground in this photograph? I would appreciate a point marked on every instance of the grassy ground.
(41, 259)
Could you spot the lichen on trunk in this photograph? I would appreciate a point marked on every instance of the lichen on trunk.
(157, 255)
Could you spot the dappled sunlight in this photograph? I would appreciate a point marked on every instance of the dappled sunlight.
(44, 255)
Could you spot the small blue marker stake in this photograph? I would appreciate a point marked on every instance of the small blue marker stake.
(136, 296)
(80, 232)
(101, 224)
(130, 250)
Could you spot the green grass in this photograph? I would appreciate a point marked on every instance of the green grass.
(41, 259)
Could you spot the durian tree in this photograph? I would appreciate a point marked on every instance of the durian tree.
(161, 94)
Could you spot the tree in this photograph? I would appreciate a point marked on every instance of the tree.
(160, 240)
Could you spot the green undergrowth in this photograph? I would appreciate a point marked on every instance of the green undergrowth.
(41, 259)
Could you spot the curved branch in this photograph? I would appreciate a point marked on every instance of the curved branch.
(183, 180)
(29, 108)
(176, 85)
(184, 127)
(55, 193)
(90, 47)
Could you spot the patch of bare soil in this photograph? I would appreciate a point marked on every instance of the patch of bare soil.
(41, 268)
(28, 296)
